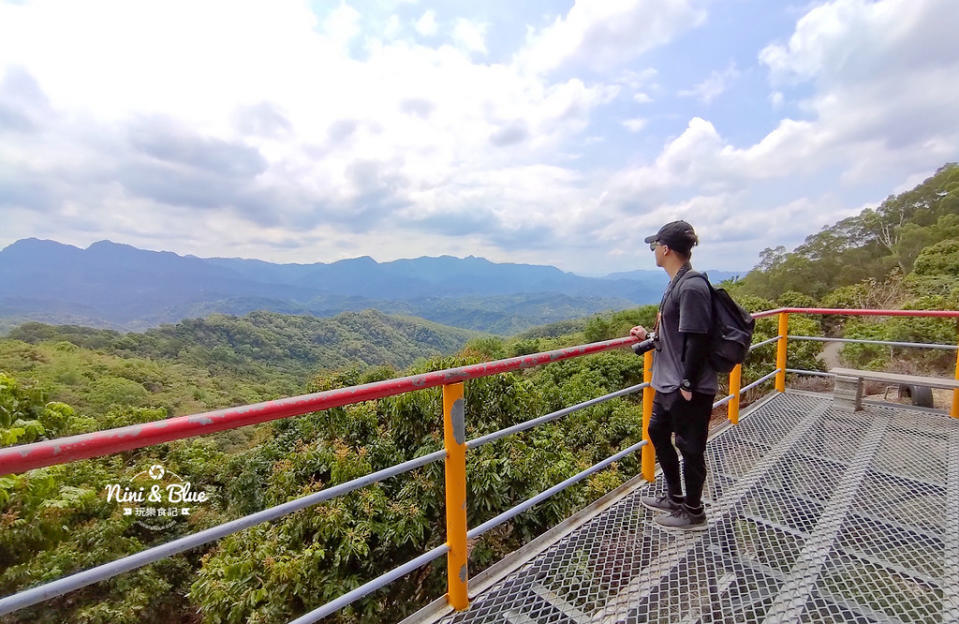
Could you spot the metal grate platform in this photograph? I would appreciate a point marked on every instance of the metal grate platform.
(815, 515)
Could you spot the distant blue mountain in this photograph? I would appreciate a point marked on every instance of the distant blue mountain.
(430, 276)
(120, 286)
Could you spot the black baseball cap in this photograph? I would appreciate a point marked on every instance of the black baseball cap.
(677, 235)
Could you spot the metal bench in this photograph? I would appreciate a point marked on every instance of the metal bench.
(848, 390)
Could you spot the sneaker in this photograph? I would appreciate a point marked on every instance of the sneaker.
(660, 503)
(684, 520)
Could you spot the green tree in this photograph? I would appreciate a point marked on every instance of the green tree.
(939, 259)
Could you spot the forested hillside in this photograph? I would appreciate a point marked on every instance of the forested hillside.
(902, 254)
(914, 235)
(267, 343)
(57, 520)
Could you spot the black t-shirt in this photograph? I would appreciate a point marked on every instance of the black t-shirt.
(686, 308)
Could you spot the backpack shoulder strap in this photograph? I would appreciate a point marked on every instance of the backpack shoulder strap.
(692, 273)
(675, 286)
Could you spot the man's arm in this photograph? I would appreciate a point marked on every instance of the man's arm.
(695, 320)
(695, 351)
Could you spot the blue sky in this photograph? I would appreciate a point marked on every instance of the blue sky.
(544, 132)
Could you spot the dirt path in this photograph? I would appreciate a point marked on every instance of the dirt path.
(830, 354)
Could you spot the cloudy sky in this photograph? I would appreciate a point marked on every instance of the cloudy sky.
(541, 131)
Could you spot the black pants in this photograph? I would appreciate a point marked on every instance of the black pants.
(689, 420)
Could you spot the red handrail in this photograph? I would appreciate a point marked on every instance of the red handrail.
(63, 450)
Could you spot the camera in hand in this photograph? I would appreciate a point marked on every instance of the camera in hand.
(646, 345)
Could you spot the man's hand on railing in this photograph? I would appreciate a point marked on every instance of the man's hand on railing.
(638, 332)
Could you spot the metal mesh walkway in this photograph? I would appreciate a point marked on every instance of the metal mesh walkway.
(815, 515)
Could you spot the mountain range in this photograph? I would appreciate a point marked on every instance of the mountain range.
(122, 287)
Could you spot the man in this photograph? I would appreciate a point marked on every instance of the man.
(685, 384)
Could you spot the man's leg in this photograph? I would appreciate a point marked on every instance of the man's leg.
(661, 436)
(692, 430)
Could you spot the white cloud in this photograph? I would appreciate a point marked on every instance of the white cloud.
(343, 24)
(883, 87)
(393, 27)
(714, 85)
(326, 143)
(732, 226)
(426, 25)
(291, 149)
(846, 41)
(470, 35)
(863, 125)
(868, 123)
(640, 83)
(776, 99)
(604, 34)
(636, 80)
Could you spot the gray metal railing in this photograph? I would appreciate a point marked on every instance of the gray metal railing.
(885, 343)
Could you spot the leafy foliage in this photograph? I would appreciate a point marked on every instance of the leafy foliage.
(57, 520)
(309, 558)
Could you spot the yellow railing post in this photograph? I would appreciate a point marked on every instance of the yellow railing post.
(454, 437)
(781, 352)
(955, 393)
(649, 454)
(735, 381)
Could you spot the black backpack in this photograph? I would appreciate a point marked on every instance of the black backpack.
(731, 332)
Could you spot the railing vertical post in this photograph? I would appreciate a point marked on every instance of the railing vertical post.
(955, 393)
(454, 437)
(735, 382)
(649, 453)
(781, 352)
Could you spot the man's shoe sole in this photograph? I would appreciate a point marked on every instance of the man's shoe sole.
(658, 509)
(689, 528)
